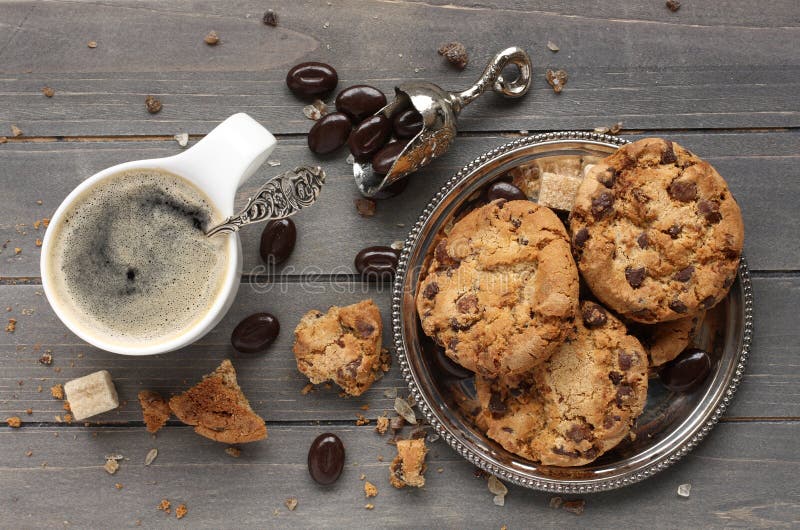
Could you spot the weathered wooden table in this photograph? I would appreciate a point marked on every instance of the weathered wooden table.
(721, 78)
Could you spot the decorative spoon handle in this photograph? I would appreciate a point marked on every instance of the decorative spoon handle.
(281, 197)
(492, 77)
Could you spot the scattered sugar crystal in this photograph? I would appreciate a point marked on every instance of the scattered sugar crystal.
(498, 489)
(684, 490)
(151, 455)
(402, 407)
(315, 110)
(273, 163)
(397, 245)
(182, 139)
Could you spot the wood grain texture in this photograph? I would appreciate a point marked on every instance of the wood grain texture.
(633, 61)
(743, 475)
(271, 380)
(760, 167)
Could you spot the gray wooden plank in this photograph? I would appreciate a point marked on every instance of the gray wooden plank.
(761, 168)
(737, 480)
(707, 66)
(271, 380)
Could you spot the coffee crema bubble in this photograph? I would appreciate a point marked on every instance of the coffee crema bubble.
(131, 258)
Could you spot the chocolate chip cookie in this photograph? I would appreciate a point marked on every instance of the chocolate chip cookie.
(578, 404)
(667, 340)
(343, 346)
(501, 291)
(656, 232)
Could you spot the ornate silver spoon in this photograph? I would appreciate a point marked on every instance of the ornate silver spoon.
(281, 197)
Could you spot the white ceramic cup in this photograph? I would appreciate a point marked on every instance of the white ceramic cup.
(218, 164)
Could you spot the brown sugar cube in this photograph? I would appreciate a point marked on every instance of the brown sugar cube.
(408, 466)
(343, 346)
(218, 409)
(558, 191)
(91, 395)
(155, 410)
(527, 178)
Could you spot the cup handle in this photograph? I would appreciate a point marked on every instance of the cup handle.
(225, 158)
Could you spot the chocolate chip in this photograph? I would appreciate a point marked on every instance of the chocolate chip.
(684, 275)
(615, 377)
(675, 231)
(577, 433)
(441, 255)
(643, 240)
(607, 177)
(609, 421)
(708, 302)
(709, 210)
(590, 453)
(452, 343)
(635, 277)
(603, 204)
(563, 452)
(668, 157)
(623, 391)
(349, 370)
(644, 314)
(678, 306)
(497, 406)
(270, 18)
(365, 329)
(455, 325)
(516, 223)
(730, 253)
(509, 430)
(626, 360)
(581, 236)
(467, 304)
(682, 190)
(594, 315)
(431, 290)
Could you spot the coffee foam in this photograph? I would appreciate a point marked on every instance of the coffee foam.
(132, 259)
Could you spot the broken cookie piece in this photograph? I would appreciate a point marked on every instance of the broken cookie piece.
(408, 466)
(155, 410)
(90, 395)
(343, 346)
(218, 409)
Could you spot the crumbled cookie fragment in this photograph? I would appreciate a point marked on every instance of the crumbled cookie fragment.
(57, 391)
(577, 506)
(370, 490)
(218, 409)
(155, 410)
(382, 424)
(118, 485)
(17, 250)
(556, 79)
(270, 18)
(556, 502)
(212, 38)
(3, 139)
(366, 207)
(12, 325)
(408, 467)
(14, 422)
(235, 452)
(307, 389)
(361, 420)
(342, 345)
(111, 466)
(164, 505)
(28, 411)
(673, 5)
(48, 92)
(369, 506)
(92, 44)
(181, 511)
(46, 359)
(291, 503)
(455, 53)
(152, 104)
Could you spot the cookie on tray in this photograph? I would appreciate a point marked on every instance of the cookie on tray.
(656, 232)
(343, 346)
(501, 291)
(667, 340)
(578, 404)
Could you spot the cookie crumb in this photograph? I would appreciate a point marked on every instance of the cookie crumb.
(369, 506)
(556, 79)
(164, 505)
(38, 242)
(181, 511)
(3, 139)
(57, 391)
(673, 5)
(212, 38)
(118, 486)
(440, 470)
(556, 502)
(361, 420)
(155, 410)
(28, 453)
(366, 207)
(152, 104)
(684, 490)
(17, 250)
(48, 92)
(92, 44)
(307, 389)
(370, 490)
(291, 503)
(408, 467)
(28, 411)
(111, 466)
(455, 53)
(616, 128)
(576, 506)
(270, 18)
(382, 424)
(235, 452)
(362, 476)
(12, 325)
(14, 422)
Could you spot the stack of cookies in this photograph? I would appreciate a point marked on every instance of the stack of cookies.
(654, 235)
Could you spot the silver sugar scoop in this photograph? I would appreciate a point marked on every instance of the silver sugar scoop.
(280, 197)
(439, 110)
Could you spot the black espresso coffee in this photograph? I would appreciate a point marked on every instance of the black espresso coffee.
(132, 260)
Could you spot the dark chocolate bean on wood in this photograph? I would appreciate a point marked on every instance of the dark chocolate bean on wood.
(255, 333)
(329, 133)
(369, 136)
(326, 458)
(312, 80)
(277, 241)
(360, 102)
